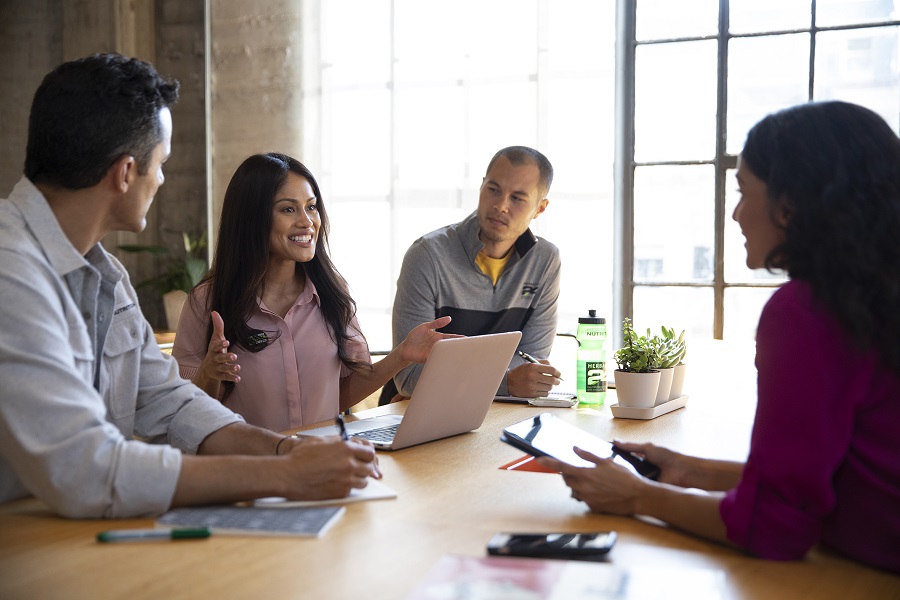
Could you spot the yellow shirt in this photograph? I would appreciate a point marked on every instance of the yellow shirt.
(492, 267)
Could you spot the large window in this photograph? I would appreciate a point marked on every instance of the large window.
(406, 101)
(703, 72)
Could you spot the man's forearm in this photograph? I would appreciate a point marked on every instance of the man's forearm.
(240, 438)
(225, 479)
(314, 469)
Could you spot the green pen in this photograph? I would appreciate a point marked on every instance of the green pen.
(140, 535)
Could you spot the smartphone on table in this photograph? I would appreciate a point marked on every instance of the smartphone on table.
(572, 546)
(548, 435)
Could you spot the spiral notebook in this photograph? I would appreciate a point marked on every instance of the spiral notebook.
(254, 520)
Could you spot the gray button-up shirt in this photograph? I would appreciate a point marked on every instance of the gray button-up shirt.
(81, 376)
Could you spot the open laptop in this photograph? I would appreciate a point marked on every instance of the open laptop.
(452, 396)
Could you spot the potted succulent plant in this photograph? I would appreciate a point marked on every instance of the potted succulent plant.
(180, 274)
(637, 378)
(670, 350)
(677, 357)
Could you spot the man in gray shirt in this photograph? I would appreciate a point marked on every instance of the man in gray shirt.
(94, 419)
(489, 273)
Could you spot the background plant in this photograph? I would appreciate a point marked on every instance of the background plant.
(639, 354)
(180, 273)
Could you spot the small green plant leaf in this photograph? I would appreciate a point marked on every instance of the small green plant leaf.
(180, 273)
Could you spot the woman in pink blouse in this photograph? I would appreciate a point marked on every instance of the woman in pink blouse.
(820, 198)
(271, 330)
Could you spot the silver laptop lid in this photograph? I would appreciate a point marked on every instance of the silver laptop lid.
(456, 387)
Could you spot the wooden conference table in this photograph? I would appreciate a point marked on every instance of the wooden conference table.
(452, 496)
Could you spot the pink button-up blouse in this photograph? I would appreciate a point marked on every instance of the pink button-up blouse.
(292, 382)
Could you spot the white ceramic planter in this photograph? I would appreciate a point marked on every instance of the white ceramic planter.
(665, 385)
(173, 302)
(637, 390)
(677, 381)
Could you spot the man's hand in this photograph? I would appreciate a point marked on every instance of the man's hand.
(532, 380)
(325, 468)
(235, 463)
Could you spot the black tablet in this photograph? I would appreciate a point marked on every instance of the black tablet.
(547, 435)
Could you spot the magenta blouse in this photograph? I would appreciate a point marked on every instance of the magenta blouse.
(824, 463)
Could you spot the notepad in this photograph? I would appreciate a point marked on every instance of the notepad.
(255, 520)
(552, 395)
(374, 490)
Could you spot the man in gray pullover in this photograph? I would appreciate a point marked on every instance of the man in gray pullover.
(489, 273)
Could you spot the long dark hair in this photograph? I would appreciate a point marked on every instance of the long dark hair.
(834, 167)
(239, 265)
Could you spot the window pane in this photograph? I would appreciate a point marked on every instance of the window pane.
(430, 137)
(428, 53)
(765, 74)
(343, 38)
(736, 270)
(665, 19)
(580, 225)
(494, 38)
(846, 12)
(312, 135)
(579, 29)
(688, 309)
(495, 122)
(579, 126)
(742, 309)
(461, 91)
(752, 16)
(675, 106)
(861, 66)
(673, 223)
(579, 217)
(580, 122)
(360, 155)
(351, 223)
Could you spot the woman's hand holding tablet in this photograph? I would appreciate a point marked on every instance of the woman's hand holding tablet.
(547, 435)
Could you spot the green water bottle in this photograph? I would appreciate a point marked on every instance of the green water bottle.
(591, 356)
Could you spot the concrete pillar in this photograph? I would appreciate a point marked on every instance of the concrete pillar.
(256, 77)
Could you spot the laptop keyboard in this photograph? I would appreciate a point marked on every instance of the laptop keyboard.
(381, 434)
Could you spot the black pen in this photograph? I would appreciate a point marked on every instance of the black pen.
(339, 421)
(531, 359)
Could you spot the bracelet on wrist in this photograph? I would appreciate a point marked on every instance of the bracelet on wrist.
(287, 437)
(278, 445)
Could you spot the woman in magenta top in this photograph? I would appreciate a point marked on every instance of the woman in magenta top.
(820, 198)
(271, 330)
